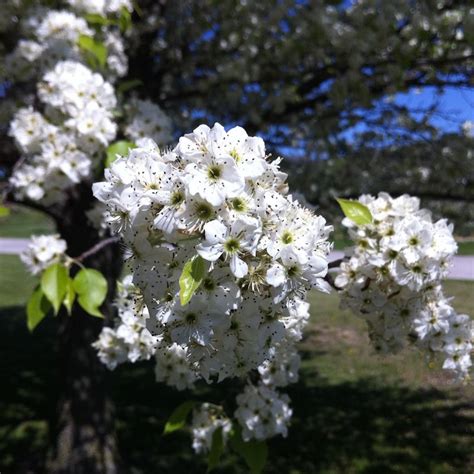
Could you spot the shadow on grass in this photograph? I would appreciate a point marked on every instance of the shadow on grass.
(362, 427)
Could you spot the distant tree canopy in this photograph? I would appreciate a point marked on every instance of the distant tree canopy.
(302, 72)
(440, 172)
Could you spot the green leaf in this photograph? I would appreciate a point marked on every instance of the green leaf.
(96, 19)
(91, 288)
(190, 279)
(125, 20)
(95, 49)
(54, 284)
(36, 308)
(217, 448)
(178, 418)
(355, 211)
(70, 296)
(121, 148)
(254, 452)
(4, 211)
(127, 85)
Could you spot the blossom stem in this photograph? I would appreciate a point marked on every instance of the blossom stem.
(96, 248)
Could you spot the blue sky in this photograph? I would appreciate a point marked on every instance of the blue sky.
(455, 104)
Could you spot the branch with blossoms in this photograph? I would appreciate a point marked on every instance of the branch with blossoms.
(230, 302)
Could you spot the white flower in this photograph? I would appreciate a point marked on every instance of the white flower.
(262, 412)
(148, 120)
(43, 251)
(241, 237)
(297, 270)
(215, 176)
(207, 419)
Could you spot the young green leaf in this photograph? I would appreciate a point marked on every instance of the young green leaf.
(95, 49)
(121, 148)
(178, 418)
(36, 308)
(91, 288)
(96, 19)
(4, 211)
(125, 20)
(70, 296)
(190, 279)
(254, 452)
(54, 284)
(355, 211)
(217, 448)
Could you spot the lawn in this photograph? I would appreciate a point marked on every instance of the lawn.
(23, 222)
(466, 247)
(354, 412)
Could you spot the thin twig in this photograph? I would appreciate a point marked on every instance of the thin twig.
(97, 248)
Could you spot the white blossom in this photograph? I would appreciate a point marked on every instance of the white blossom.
(42, 251)
(158, 202)
(262, 412)
(393, 280)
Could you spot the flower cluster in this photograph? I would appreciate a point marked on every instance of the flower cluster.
(52, 36)
(43, 251)
(217, 197)
(393, 281)
(147, 120)
(64, 140)
(208, 418)
(59, 147)
(129, 339)
(173, 367)
(262, 412)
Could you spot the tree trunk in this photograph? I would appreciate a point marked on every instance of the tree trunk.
(83, 433)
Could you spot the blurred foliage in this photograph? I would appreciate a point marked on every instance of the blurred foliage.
(441, 173)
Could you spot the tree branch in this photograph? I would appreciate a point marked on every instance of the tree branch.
(97, 248)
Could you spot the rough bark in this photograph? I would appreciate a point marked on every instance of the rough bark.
(82, 433)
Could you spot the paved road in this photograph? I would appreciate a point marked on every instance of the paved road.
(12, 246)
(462, 269)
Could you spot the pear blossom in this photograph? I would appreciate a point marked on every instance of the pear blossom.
(392, 279)
(42, 251)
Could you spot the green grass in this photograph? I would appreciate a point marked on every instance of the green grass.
(466, 247)
(354, 411)
(23, 222)
(16, 284)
